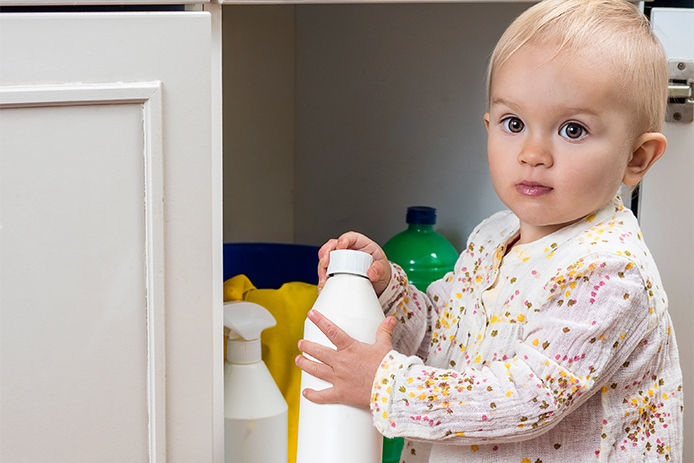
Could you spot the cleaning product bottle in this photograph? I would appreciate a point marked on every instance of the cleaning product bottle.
(425, 256)
(422, 253)
(331, 433)
(255, 412)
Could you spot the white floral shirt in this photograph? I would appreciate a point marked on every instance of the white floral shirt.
(561, 350)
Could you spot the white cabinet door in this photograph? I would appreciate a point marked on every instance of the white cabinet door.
(108, 259)
(667, 211)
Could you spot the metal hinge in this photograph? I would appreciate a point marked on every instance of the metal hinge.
(680, 106)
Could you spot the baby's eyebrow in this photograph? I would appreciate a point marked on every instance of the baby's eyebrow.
(499, 100)
(559, 108)
(581, 110)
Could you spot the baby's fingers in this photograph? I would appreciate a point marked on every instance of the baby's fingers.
(326, 248)
(353, 240)
(377, 271)
(317, 351)
(325, 396)
(323, 259)
(334, 333)
(317, 369)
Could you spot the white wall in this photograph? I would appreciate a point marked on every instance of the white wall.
(258, 73)
(388, 108)
(389, 111)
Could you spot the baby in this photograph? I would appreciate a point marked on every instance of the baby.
(551, 340)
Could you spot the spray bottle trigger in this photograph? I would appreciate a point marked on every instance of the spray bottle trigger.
(246, 320)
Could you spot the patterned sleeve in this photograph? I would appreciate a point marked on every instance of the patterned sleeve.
(414, 310)
(595, 314)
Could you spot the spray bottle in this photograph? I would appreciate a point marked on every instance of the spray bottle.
(255, 412)
(331, 432)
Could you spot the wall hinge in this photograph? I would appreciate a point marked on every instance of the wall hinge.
(680, 107)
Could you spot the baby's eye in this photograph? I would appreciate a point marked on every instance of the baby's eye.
(513, 124)
(573, 131)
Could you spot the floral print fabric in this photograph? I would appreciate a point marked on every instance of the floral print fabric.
(562, 348)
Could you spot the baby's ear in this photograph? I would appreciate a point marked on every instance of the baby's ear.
(485, 118)
(648, 148)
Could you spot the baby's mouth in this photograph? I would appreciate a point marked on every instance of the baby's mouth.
(528, 188)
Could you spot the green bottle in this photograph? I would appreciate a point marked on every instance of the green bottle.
(426, 256)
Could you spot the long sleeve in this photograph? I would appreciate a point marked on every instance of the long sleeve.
(419, 313)
(595, 313)
(415, 310)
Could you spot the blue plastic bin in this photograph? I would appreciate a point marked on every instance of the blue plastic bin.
(270, 265)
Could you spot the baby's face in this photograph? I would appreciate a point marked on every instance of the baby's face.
(559, 137)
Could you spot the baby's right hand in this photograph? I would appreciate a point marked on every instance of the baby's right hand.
(379, 272)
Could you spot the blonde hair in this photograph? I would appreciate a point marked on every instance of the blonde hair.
(616, 28)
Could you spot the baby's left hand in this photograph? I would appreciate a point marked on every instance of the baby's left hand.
(350, 369)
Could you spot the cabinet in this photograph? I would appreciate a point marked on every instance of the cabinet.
(110, 238)
(111, 219)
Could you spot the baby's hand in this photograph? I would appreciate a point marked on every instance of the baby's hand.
(350, 369)
(379, 272)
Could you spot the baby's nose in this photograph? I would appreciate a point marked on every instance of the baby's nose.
(535, 153)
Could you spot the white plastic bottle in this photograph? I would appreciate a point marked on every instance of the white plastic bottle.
(340, 433)
(255, 412)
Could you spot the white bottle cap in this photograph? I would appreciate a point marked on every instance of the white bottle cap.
(349, 261)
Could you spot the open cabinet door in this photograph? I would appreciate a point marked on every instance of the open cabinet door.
(667, 204)
(107, 247)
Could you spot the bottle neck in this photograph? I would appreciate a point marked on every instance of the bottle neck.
(420, 227)
(243, 352)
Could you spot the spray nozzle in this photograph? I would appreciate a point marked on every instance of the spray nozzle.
(245, 320)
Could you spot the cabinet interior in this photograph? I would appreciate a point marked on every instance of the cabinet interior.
(338, 117)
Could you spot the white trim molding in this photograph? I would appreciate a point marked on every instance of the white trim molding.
(148, 95)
